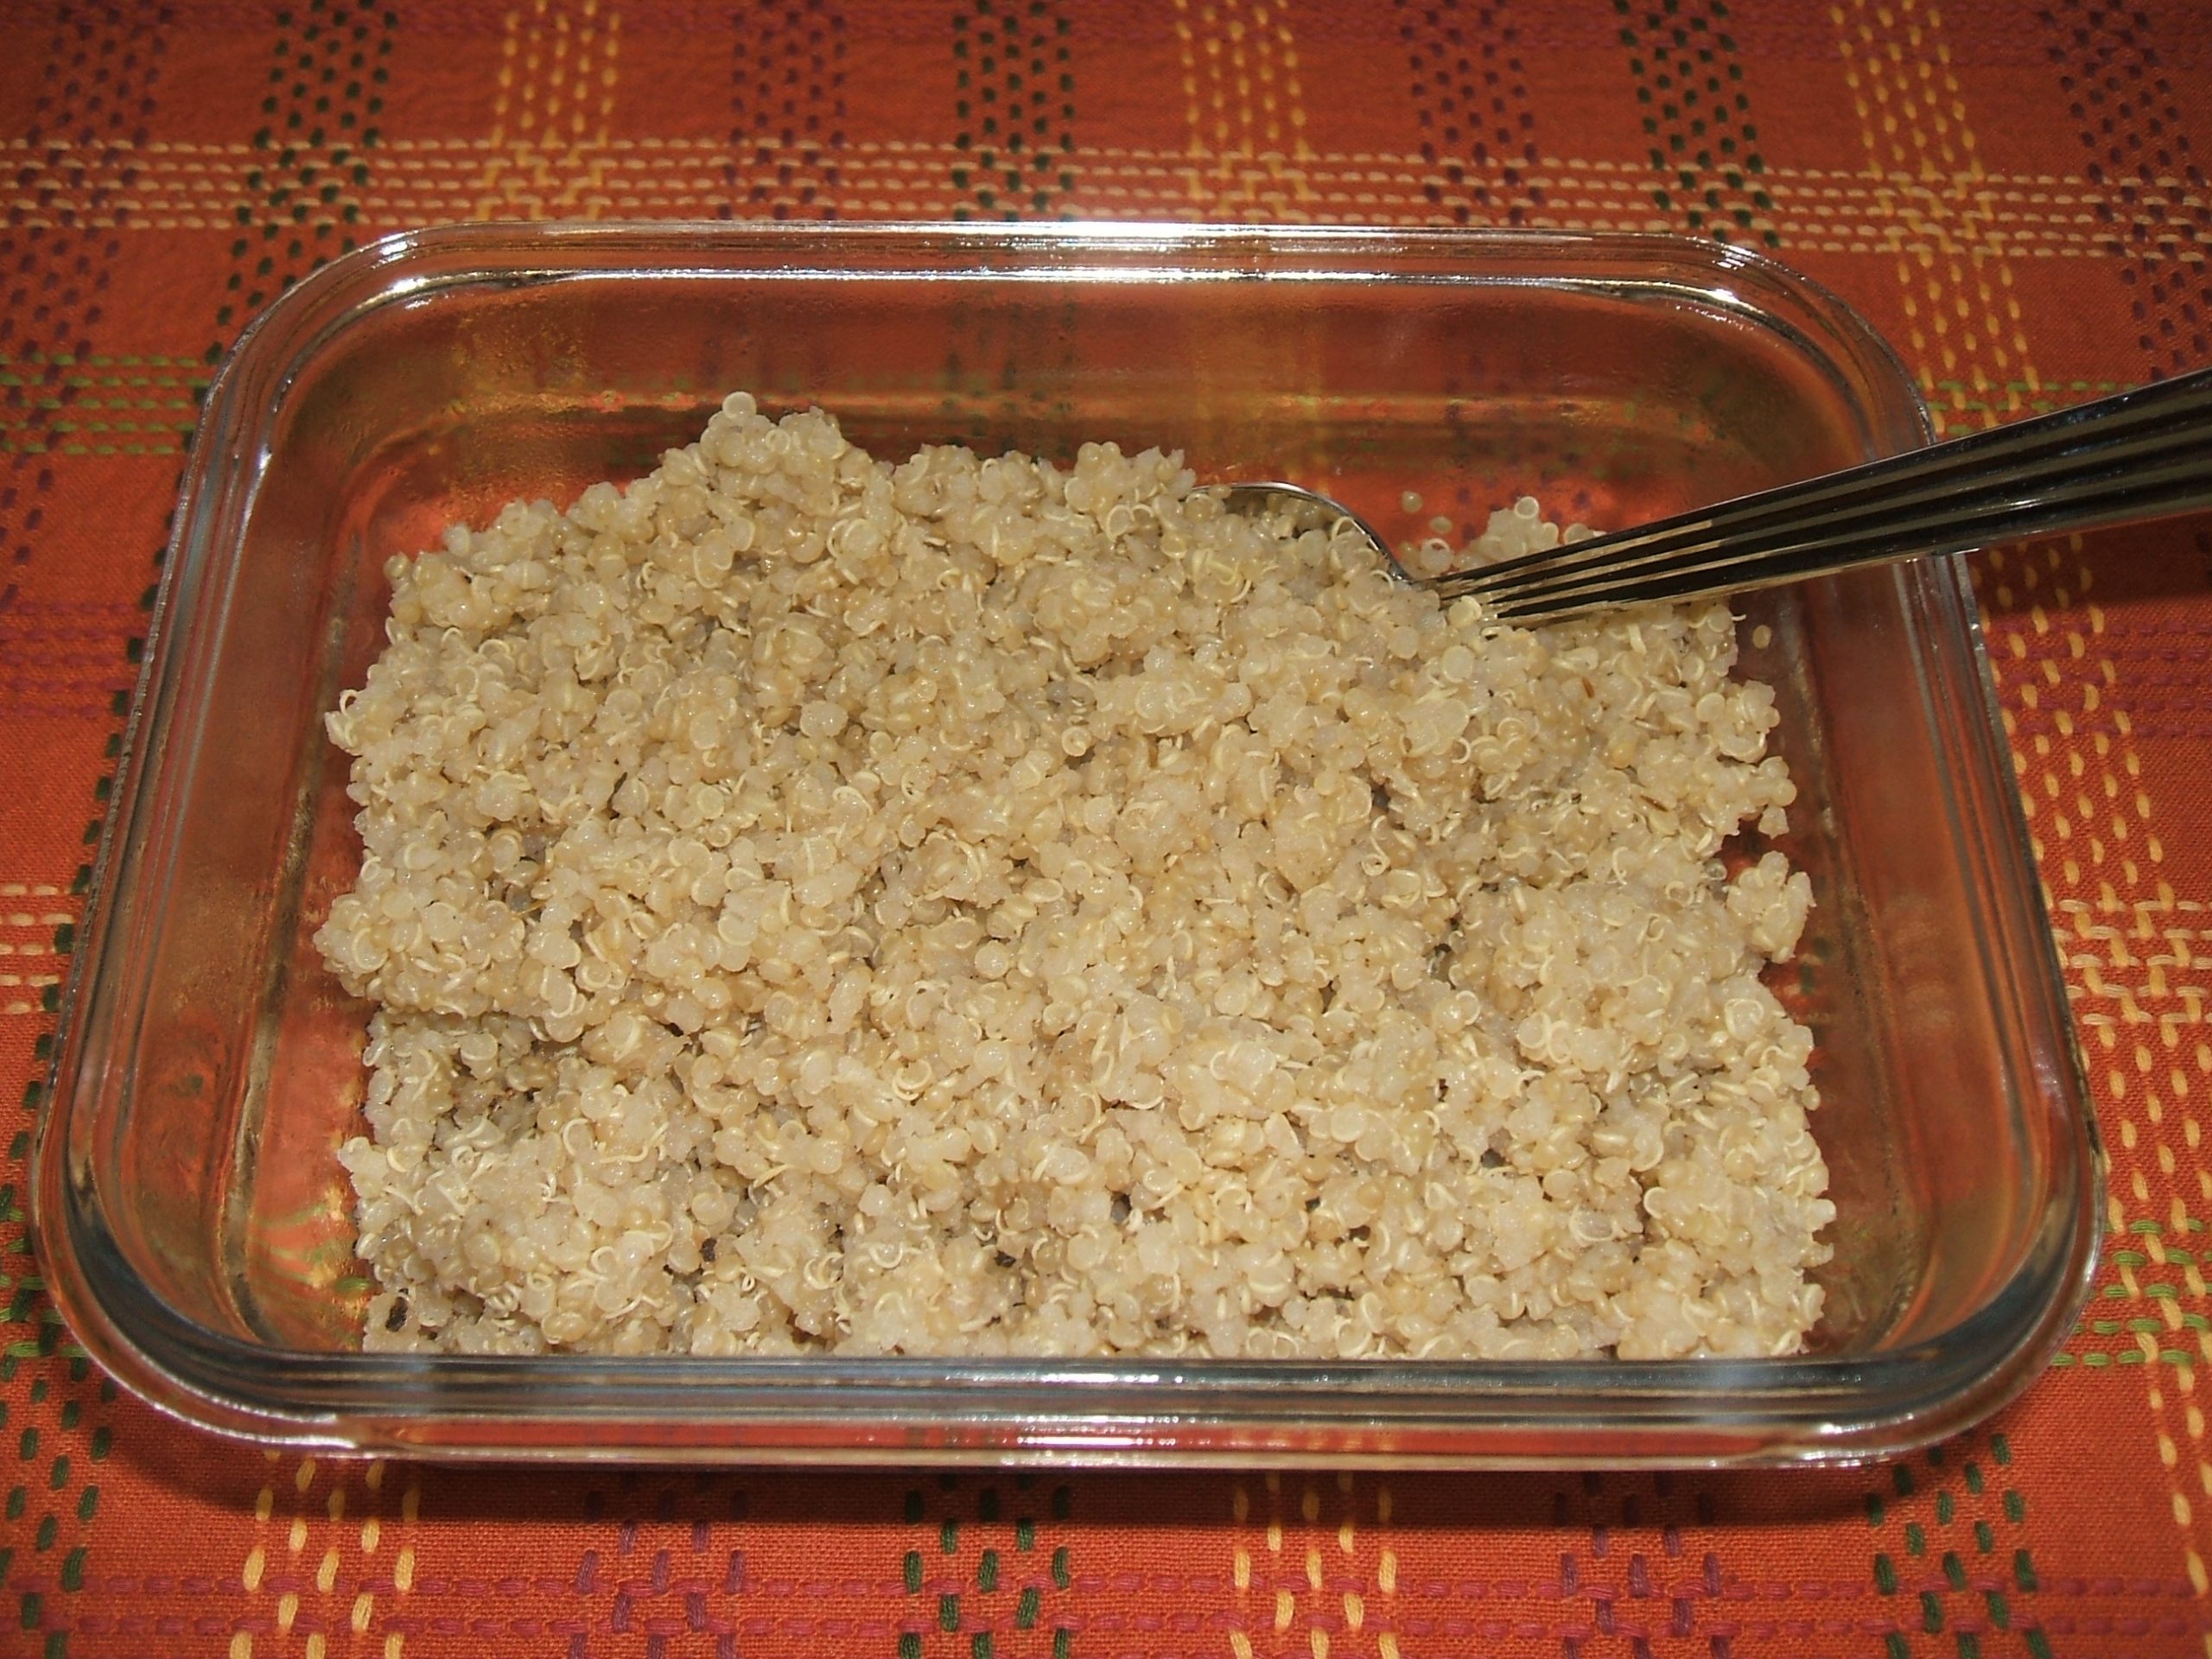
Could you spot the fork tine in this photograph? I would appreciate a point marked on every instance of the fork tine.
(2025, 451)
(2180, 485)
(1608, 559)
(1974, 489)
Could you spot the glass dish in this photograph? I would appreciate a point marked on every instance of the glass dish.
(192, 1218)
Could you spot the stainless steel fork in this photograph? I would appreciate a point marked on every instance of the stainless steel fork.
(2141, 455)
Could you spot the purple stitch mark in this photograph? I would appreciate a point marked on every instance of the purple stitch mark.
(660, 1573)
(588, 1573)
(626, 1538)
(700, 1533)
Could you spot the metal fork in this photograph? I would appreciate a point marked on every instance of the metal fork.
(2141, 455)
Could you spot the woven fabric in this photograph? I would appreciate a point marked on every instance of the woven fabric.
(2014, 196)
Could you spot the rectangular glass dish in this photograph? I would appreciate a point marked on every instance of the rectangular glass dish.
(193, 1221)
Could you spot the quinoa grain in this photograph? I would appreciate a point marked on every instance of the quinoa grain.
(975, 906)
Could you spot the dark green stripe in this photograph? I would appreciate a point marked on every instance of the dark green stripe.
(319, 116)
(1013, 69)
(1469, 96)
(1697, 114)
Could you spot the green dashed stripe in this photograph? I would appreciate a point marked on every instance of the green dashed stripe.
(2139, 1327)
(2095, 1361)
(1698, 118)
(99, 360)
(1014, 77)
(319, 127)
(1013, 1568)
(1469, 95)
(914, 1571)
(1960, 1517)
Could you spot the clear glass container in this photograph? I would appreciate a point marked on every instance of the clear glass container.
(192, 1215)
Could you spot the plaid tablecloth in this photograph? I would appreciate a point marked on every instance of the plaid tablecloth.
(2015, 195)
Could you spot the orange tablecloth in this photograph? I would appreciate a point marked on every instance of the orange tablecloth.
(2015, 195)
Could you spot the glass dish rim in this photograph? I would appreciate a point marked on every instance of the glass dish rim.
(325, 1392)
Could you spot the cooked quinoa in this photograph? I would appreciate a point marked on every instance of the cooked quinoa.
(973, 907)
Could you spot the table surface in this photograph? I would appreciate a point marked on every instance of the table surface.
(2013, 195)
